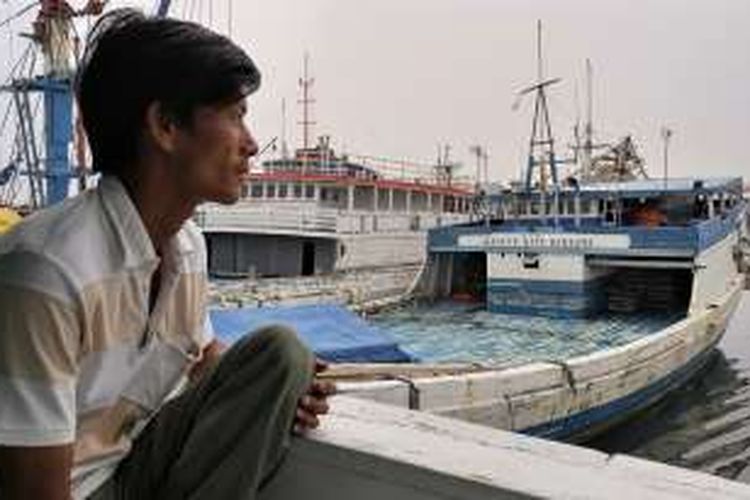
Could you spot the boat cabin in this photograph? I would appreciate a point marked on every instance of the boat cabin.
(585, 249)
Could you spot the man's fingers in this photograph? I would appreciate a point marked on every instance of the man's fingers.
(320, 365)
(306, 419)
(322, 387)
(317, 406)
(314, 403)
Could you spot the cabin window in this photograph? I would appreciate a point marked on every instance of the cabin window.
(535, 208)
(283, 190)
(270, 190)
(530, 261)
(609, 215)
(298, 191)
(571, 207)
(717, 205)
(256, 191)
(309, 192)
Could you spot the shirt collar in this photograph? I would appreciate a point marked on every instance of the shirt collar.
(132, 234)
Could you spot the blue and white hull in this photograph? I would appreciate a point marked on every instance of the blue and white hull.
(579, 271)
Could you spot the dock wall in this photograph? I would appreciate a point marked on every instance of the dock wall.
(369, 451)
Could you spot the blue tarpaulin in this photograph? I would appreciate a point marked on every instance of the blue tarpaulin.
(333, 332)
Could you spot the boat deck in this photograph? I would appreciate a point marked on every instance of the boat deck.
(450, 332)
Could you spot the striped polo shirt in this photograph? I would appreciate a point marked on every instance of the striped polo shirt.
(81, 359)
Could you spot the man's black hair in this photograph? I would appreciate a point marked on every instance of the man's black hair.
(132, 61)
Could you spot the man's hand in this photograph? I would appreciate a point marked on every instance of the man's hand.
(314, 402)
(210, 357)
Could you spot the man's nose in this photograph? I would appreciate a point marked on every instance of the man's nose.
(249, 144)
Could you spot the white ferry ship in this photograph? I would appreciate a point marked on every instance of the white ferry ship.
(318, 213)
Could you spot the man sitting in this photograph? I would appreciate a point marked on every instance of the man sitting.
(112, 384)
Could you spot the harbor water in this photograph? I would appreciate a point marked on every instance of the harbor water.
(705, 425)
(452, 332)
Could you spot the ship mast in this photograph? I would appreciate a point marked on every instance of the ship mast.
(588, 143)
(49, 168)
(541, 142)
(284, 143)
(306, 83)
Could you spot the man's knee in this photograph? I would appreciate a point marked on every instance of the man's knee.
(286, 352)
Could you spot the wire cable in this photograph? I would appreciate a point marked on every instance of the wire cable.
(18, 14)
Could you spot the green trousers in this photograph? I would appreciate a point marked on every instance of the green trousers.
(225, 437)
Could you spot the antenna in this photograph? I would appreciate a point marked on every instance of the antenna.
(540, 61)
(306, 83)
(666, 135)
(480, 153)
(588, 144)
(284, 144)
(486, 159)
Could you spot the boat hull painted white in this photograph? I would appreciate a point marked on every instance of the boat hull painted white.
(578, 397)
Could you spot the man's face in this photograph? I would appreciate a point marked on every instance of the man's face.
(213, 154)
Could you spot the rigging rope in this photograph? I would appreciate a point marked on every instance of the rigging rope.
(18, 14)
(16, 69)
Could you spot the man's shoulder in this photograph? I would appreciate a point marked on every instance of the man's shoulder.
(51, 244)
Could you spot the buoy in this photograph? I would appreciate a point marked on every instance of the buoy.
(8, 219)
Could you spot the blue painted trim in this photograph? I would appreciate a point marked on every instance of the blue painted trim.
(693, 238)
(582, 423)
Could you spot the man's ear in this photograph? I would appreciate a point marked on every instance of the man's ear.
(161, 128)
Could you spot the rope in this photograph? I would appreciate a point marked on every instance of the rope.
(18, 14)
(16, 67)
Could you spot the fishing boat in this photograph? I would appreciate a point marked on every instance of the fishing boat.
(382, 451)
(574, 303)
(586, 310)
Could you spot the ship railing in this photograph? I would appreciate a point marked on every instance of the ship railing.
(281, 217)
(286, 217)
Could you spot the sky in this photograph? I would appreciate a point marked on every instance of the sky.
(395, 78)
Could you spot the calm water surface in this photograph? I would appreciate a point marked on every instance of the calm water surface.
(454, 332)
